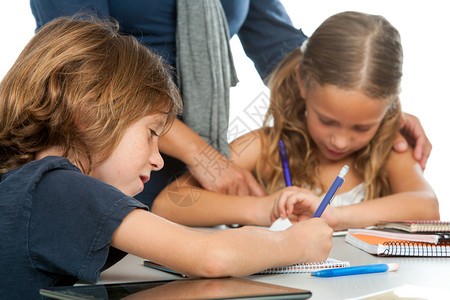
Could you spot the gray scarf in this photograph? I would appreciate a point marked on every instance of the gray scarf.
(205, 69)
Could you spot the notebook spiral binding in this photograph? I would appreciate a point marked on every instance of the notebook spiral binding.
(305, 268)
(430, 226)
(408, 248)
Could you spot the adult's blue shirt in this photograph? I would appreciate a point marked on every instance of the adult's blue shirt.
(263, 26)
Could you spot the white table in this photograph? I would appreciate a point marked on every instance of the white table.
(427, 273)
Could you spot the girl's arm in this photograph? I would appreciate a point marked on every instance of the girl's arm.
(233, 252)
(184, 202)
(412, 197)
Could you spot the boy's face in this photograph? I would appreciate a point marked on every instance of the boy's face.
(137, 154)
(342, 122)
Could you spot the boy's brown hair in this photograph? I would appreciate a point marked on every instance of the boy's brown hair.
(78, 85)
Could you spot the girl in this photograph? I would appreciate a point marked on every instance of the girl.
(82, 110)
(333, 104)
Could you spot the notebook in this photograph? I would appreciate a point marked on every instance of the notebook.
(306, 268)
(385, 246)
(417, 226)
(295, 268)
(393, 234)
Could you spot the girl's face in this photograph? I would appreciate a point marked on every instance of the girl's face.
(341, 121)
(137, 154)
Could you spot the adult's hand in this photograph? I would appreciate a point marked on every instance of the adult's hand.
(412, 133)
(218, 174)
(210, 168)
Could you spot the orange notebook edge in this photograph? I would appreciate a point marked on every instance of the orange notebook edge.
(378, 237)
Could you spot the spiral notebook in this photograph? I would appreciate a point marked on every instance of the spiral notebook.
(417, 226)
(383, 246)
(295, 268)
(306, 268)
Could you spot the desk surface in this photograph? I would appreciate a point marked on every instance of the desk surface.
(419, 271)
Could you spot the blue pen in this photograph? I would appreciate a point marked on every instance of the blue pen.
(285, 163)
(331, 192)
(356, 270)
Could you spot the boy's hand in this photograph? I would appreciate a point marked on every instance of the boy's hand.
(312, 238)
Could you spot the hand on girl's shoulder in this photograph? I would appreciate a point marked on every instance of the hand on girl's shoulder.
(401, 157)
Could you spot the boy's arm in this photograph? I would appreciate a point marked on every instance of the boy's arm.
(234, 252)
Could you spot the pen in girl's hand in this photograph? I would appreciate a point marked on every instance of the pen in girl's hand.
(330, 194)
(285, 163)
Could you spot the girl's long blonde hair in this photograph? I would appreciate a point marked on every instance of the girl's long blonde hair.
(352, 51)
(78, 85)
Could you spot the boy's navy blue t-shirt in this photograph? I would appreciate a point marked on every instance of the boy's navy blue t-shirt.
(56, 226)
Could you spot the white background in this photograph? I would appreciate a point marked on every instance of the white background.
(424, 29)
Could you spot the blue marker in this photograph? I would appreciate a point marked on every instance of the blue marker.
(356, 270)
(285, 163)
(331, 192)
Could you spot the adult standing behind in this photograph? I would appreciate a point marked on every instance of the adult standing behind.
(267, 35)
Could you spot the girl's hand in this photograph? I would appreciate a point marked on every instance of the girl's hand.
(294, 200)
(300, 204)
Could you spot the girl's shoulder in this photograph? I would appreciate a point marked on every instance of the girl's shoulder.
(247, 141)
(398, 160)
(403, 171)
(245, 149)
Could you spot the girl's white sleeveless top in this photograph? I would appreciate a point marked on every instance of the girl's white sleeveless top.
(354, 196)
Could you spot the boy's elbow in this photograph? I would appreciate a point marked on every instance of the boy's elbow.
(214, 264)
(218, 259)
